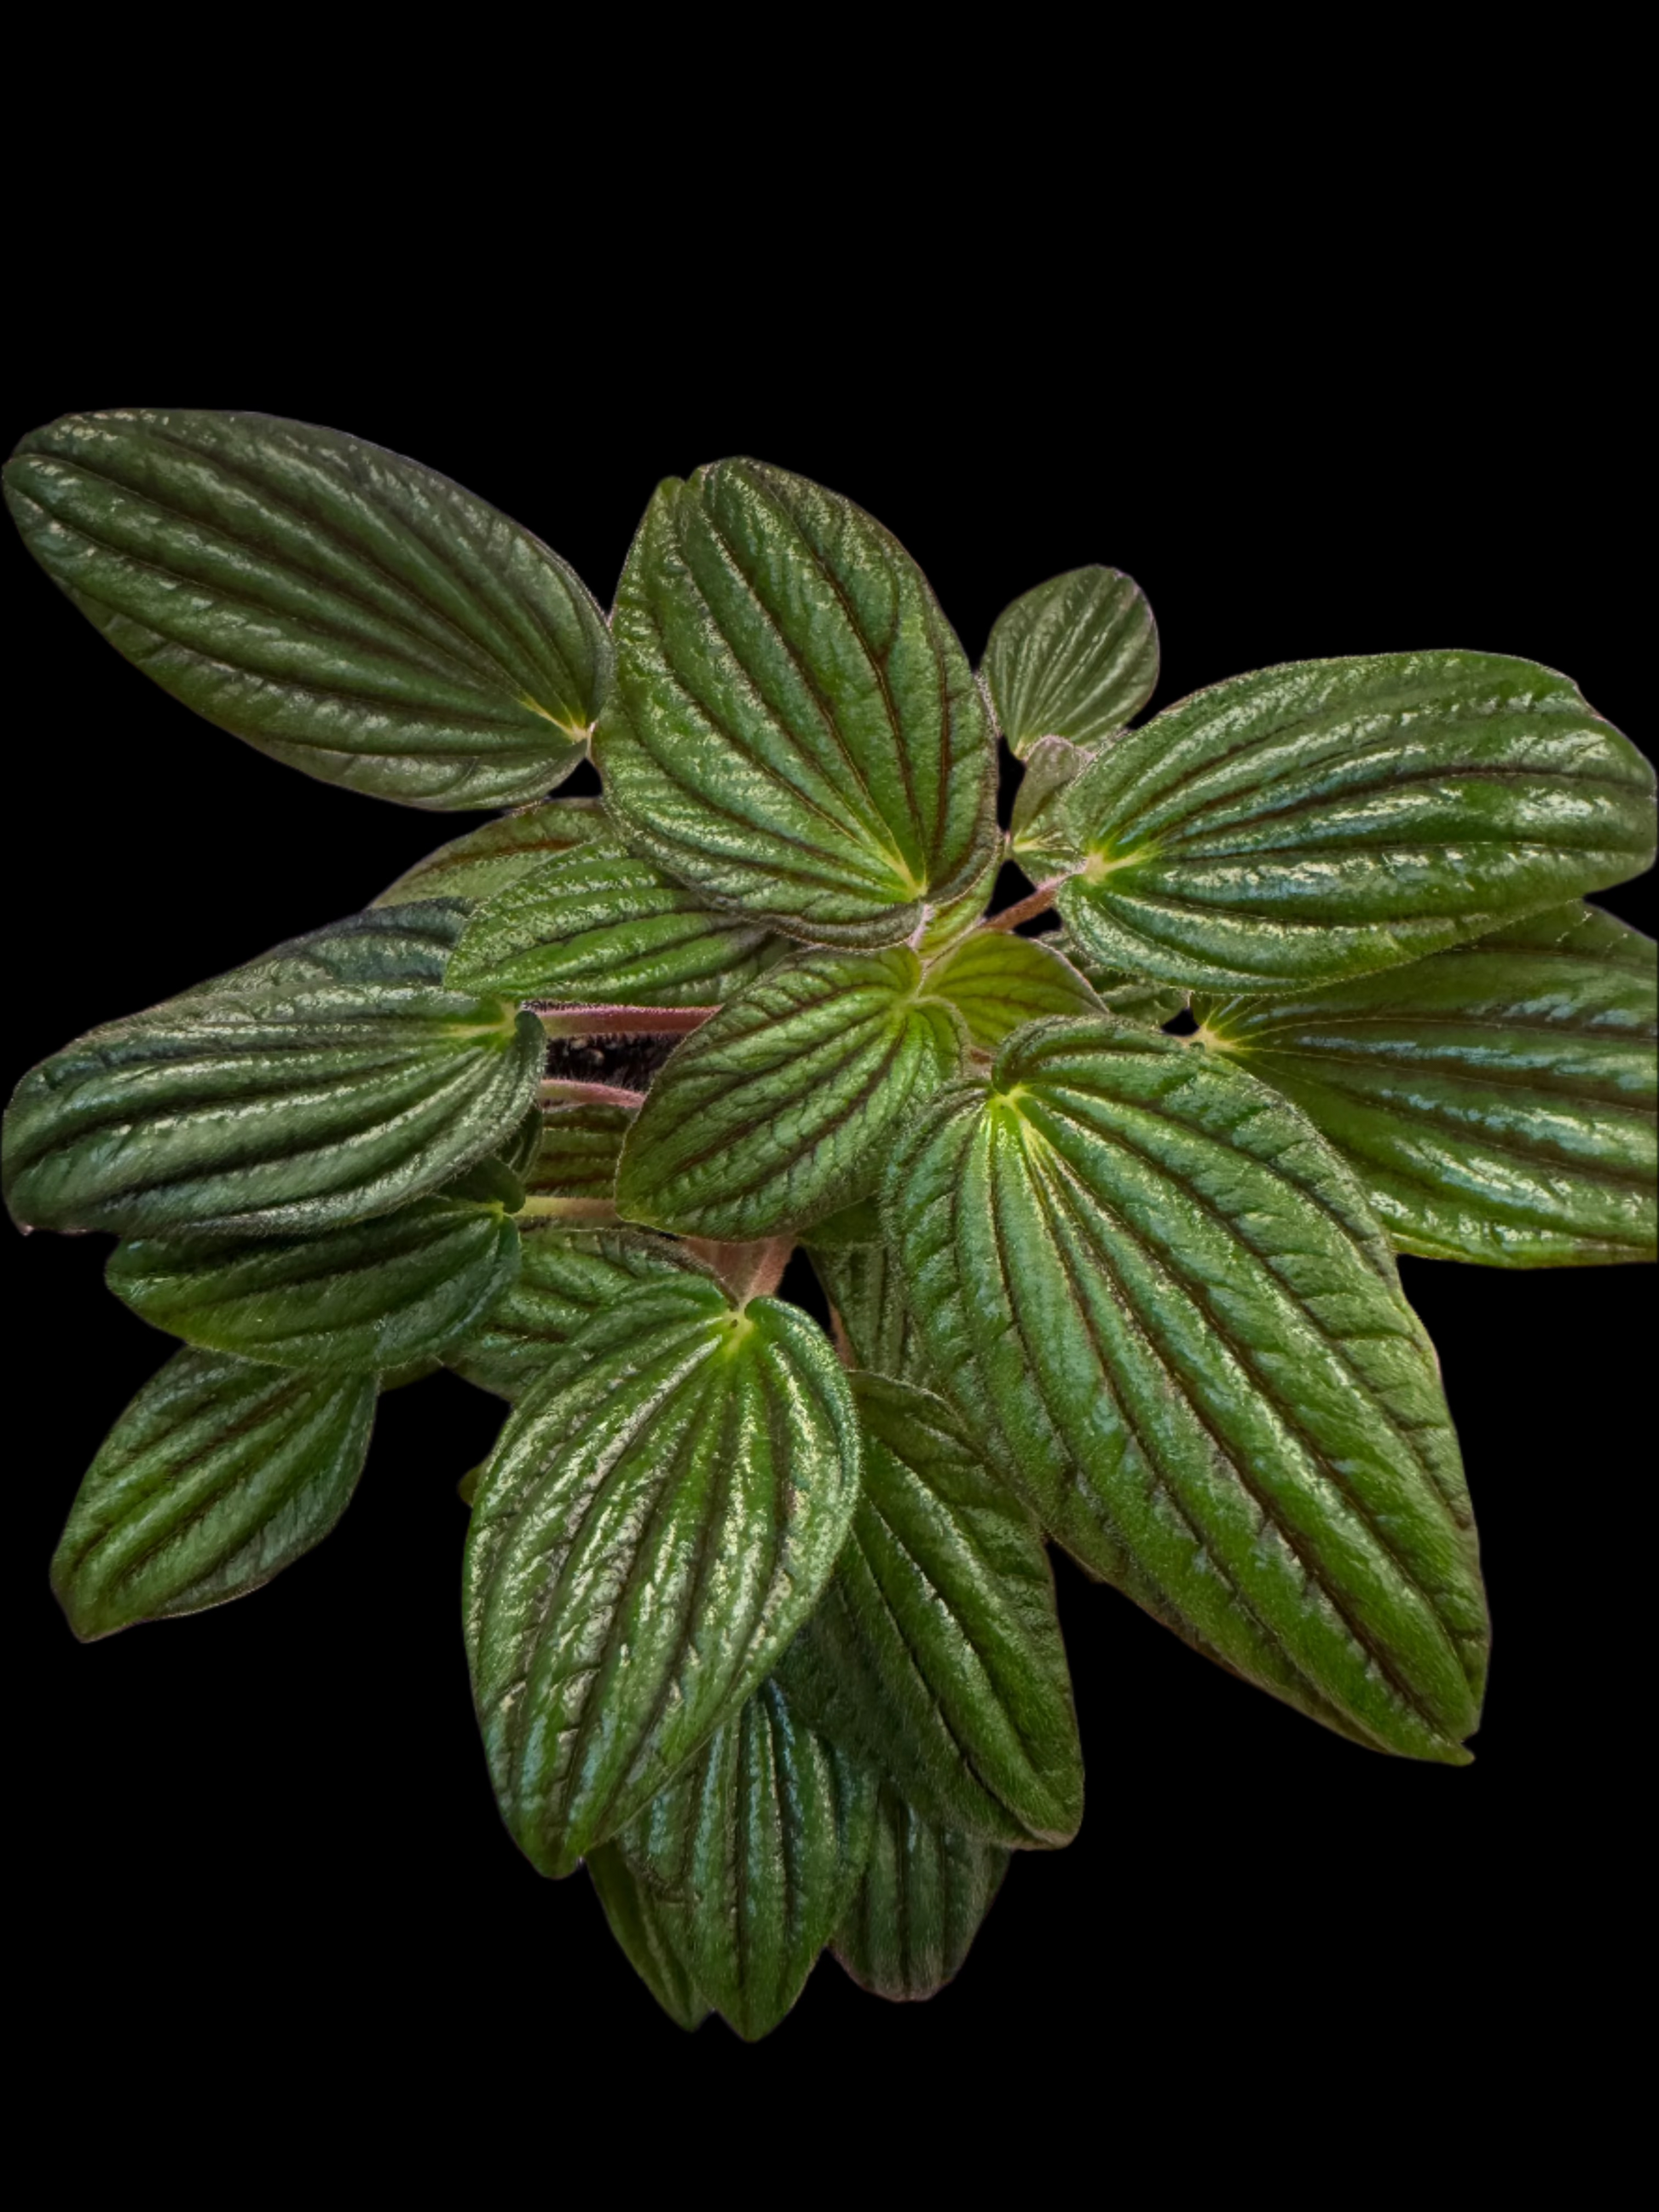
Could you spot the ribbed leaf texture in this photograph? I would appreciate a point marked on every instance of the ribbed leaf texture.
(1165, 1311)
(595, 925)
(581, 1145)
(1131, 997)
(874, 1326)
(660, 1516)
(1040, 835)
(412, 944)
(565, 1277)
(343, 608)
(998, 982)
(796, 730)
(217, 1475)
(1074, 659)
(779, 1111)
(636, 1922)
(751, 1857)
(250, 1116)
(486, 860)
(1497, 1101)
(937, 1650)
(365, 1297)
(924, 1896)
(1330, 817)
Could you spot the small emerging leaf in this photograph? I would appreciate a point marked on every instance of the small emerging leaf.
(343, 608)
(217, 1475)
(997, 982)
(921, 1902)
(1074, 658)
(1040, 835)
(486, 860)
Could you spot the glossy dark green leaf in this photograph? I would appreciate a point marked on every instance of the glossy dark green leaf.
(997, 982)
(858, 1224)
(1039, 834)
(411, 945)
(636, 1921)
(1074, 659)
(343, 608)
(1329, 817)
(486, 860)
(566, 1276)
(948, 925)
(1165, 1311)
(1497, 1101)
(781, 1110)
(518, 1154)
(217, 1475)
(243, 1115)
(661, 1514)
(939, 1633)
(924, 1895)
(579, 1148)
(751, 1857)
(596, 925)
(1132, 998)
(368, 1297)
(874, 1327)
(796, 730)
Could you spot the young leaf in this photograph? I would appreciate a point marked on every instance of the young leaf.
(595, 925)
(661, 1514)
(636, 1922)
(1497, 1101)
(874, 1327)
(1040, 835)
(1074, 659)
(949, 924)
(579, 1148)
(795, 732)
(781, 1110)
(341, 608)
(364, 1297)
(939, 1634)
(267, 1117)
(750, 1858)
(1131, 997)
(1165, 1311)
(916, 1913)
(486, 860)
(215, 1477)
(997, 982)
(566, 1276)
(1326, 819)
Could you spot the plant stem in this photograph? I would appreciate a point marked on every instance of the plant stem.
(556, 1091)
(621, 1021)
(748, 1271)
(1039, 901)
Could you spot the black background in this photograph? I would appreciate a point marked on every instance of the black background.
(278, 1812)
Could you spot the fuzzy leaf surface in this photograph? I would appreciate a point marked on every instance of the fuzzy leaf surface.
(661, 1514)
(1075, 658)
(779, 1111)
(363, 1298)
(636, 1921)
(243, 1116)
(216, 1476)
(595, 925)
(486, 860)
(343, 608)
(751, 1854)
(796, 730)
(581, 1146)
(924, 1896)
(938, 1635)
(998, 982)
(1496, 1100)
(1329, 817)
(565, 1278)
(1167, 1316)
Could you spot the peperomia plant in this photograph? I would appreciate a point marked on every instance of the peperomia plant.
(1103, 1190)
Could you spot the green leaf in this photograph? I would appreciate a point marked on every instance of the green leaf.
(581, 1146)
(267, 1117)
(858, 1224)
(661, 1514)
(997, 982)
(343, 608)
(595, 926)
(1166, 1313)
(874, 1327)
(1040, 835)
(796, 730)
(1497, 1101)
(522, 1147)
(937, 1638)
(915, 1914)
(409, 945)
(1074, 659)
(368, 1297)
(636, 1922)
(781, 1110)
(565, 1277)
(486, 860)
(751, 1857)
(217, 1475)
(1132, 998)
(949, 924)
(1332, 816)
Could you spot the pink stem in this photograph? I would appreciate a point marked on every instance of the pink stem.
(556, 1091)
(749, 1271)
(621, 1021)
(1039, 903)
